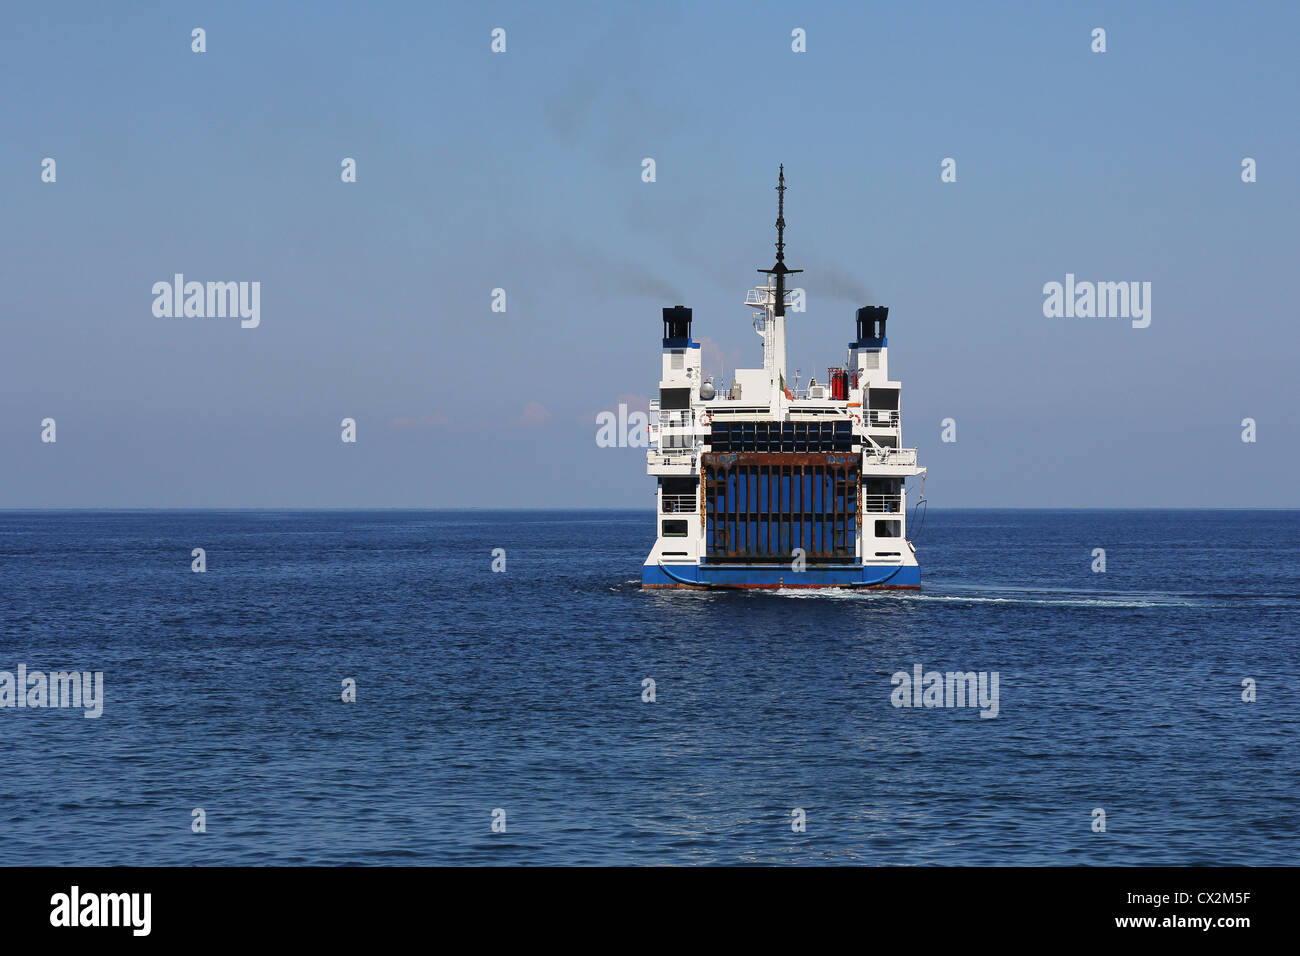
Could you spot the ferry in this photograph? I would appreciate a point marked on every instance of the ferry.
(764, 484)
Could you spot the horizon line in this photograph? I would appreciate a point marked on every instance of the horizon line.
(630, 508)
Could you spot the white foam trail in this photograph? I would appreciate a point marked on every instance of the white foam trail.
(881, 595)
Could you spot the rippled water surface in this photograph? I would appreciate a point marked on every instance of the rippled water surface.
(522, 690)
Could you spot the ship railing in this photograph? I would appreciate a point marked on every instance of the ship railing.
(880, 418)
(888, 456)
(737, 411)
(674, 418)
(759, 296)
(817, 411)
(670, 456)
(670, 417)
(678, 504)
(819, 393)
(677, 442)
(882, 504)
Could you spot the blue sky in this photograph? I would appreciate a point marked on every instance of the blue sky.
(522, 171)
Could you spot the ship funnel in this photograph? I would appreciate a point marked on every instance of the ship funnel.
(677, 326)
(871, 325)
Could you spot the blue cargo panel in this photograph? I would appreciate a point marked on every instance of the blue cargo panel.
(759, 507)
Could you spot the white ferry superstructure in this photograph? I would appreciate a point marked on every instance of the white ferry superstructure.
(764, 485)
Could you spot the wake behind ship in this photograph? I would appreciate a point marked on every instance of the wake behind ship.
(762, 485)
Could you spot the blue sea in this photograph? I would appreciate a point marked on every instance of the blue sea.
(522, 691)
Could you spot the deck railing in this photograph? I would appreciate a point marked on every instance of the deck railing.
(675, 418)
(678, 504)
(882, 504)
(880, 417)
(660, 457)
(888, 456)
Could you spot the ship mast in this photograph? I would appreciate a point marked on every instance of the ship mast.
(774, 334)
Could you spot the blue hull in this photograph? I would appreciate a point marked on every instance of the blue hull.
(778, 576)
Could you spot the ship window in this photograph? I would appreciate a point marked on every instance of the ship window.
(885, 398)
(674, 398)
(888, 529)
(678, 485)
(674, 529)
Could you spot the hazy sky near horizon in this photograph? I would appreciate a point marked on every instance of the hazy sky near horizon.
(522, 171)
